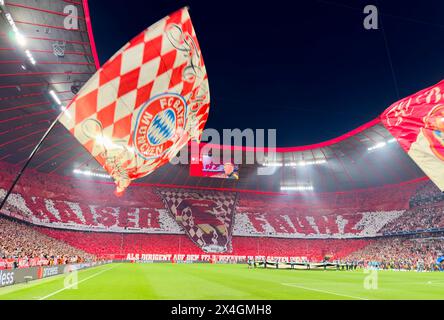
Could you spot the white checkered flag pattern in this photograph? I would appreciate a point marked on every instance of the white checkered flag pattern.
(206, 216)
(146, 103)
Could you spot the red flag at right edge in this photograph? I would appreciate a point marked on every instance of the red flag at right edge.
(417, 122)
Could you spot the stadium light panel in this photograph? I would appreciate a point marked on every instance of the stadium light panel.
(20, 39)
(297, 188)
(30, 57)
(379, 145)
(90, 173)
(18, 36)
(305, 163)
(273, 164)
(55, 97)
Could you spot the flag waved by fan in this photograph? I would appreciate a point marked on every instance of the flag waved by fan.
(417, 122)
(146, 103)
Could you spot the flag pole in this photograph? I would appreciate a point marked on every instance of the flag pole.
(34, 151)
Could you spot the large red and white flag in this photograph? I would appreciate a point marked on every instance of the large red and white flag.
(417, 122)
(146, 103)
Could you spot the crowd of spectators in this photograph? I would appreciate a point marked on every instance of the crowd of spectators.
(416, 219)
(411, 207)
(426, 194)
(400, 253)
(21, 245)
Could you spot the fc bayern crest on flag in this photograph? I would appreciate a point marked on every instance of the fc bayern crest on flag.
(434, 130)
(157, 122)
(146, 103)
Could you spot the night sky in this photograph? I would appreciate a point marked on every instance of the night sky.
(307, 68)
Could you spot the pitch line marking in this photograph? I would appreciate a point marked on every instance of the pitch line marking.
(322, 291)
(71, 285)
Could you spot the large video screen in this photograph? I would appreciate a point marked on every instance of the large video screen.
(208, 167)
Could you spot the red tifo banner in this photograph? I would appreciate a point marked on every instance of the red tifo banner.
(417, 122)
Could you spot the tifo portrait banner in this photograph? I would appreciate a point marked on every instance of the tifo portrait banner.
(146, 103)
(207, 217)
(417, 122)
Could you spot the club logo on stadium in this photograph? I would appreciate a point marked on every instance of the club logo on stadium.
(157, 123)
(434, 130)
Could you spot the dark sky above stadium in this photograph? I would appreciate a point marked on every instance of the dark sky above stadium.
(307, 68)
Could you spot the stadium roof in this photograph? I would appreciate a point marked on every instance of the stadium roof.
(65, 59)
(362, 158)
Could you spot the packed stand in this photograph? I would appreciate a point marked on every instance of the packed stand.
(401, 253)
(417, 219)
(426, 194)
(22, 245)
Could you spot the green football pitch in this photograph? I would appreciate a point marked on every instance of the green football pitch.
(227, 282)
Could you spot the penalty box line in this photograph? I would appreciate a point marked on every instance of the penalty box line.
(74, 284)
(323, 291)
